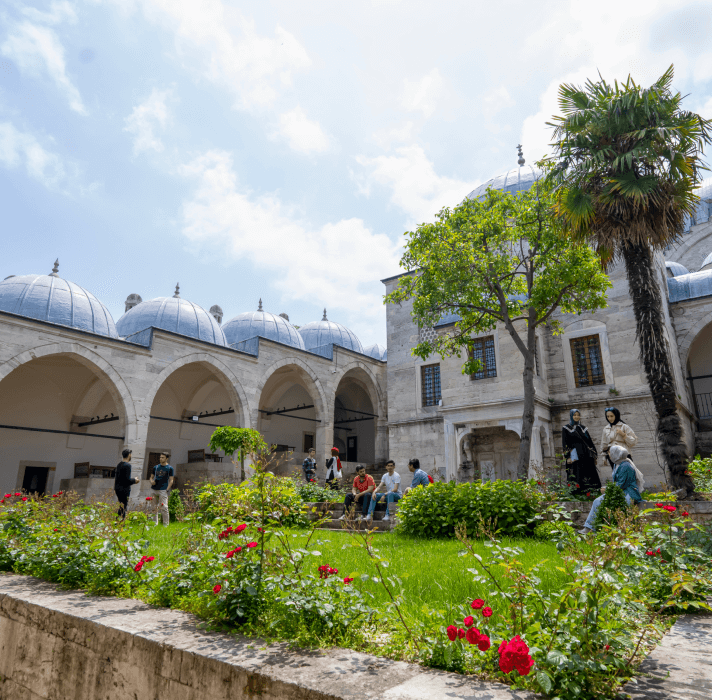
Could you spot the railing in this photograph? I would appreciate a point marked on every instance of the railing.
(704, 405)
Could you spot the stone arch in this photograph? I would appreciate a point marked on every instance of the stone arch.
(373, 387)
(686, 343)
(98, 365)
(227, 377)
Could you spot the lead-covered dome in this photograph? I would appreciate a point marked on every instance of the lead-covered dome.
(518, 180)
(319, 333)
(707, 263)
(376, 351)
(263, 324)
(172, 314)
(55, 300)
(675, 269)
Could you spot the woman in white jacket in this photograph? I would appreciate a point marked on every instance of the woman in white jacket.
(616, 432)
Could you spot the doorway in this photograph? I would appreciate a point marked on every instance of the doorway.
(352, 448)
(35, 480)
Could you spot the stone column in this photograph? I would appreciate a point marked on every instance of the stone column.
(451, 451)
(381, 454)
(135, 439)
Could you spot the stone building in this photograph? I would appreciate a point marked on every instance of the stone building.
(468, 427)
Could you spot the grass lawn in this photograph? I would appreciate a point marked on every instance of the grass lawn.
(432, 571)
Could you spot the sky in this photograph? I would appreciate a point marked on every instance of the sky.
(279, 150)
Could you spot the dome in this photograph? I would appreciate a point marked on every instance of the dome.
(53, 299)
(692, 286)
(376, 351)
(263, 324)
(707, 261)
(325, 332)
(674, 269)
(172, 314)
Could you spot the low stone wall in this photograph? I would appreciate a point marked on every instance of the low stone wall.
(103, 489)
(63, 645)
(700, 511)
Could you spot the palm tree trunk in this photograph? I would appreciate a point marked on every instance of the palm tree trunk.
(651, 336)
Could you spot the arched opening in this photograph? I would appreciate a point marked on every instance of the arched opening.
(290, 417)
(61, 417)
(699, 370)
(190, 403)
(488, 454)
(355, 418)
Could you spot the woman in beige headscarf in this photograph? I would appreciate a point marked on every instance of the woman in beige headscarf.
(616, 432)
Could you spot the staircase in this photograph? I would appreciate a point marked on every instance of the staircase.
(335, 510)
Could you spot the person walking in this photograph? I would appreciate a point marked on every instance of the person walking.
(309, 466)
(123, 481)
(361, 491)
(391, 487)
(580, 454)
(161, 482)
(333, 470)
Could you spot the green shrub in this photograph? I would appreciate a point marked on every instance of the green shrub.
(176, 509)
(436, 510)
(313, 493)
(613, 502)
(549, 530)
(701, 472)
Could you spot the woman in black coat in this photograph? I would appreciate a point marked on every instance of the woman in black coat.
(580, 454)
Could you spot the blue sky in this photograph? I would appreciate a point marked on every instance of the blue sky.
(279, 150)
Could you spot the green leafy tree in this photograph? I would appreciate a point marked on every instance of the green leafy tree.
(501, 260)
(239, 441)
(629, 159)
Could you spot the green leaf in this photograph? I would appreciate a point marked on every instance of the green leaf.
(545, 681)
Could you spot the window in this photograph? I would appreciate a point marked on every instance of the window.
(587, 361)
(482, 349)
(430, 380)
(308, 441)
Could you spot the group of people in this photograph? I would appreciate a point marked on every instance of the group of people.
(582, 457)
(161, 483)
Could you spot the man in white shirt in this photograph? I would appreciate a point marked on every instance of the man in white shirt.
(389, 487)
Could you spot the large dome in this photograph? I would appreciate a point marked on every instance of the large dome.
(263, 324)
(518, 180)
(172, 314)
(53, 299)
(377, 352)
(325, 332)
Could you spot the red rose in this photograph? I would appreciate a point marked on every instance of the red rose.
(468, 621)
(56, 529)
(54, 495)
(650, 552)
(452, 633)
(18, 494)
(524, 665)
(24, 498)
(658, 505)
(150, 558)
(477, 604)
(237, 549)
(348, 580)
(461, 633)
(149, 498)
(138, 566)
(607, 647)
(473, 635)
(230, 554)
(8, 495)
(658, 552)
(484, 643)
(487, 612)
(506, 665)
(217, 588)
(685, 513)
(240, 528)
(251, 544)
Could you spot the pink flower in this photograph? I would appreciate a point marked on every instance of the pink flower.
(452, 633)
(487, 612)
(468, 621)
(217, 588)
(477, 604)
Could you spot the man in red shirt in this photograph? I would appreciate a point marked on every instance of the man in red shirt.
(360, 493)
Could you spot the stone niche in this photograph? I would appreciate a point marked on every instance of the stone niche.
(487, 454)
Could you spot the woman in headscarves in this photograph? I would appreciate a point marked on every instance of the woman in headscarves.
(616, 432)
(333, 470)
(625, 474)
(580, 454)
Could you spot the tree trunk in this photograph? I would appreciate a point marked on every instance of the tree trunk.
(525, 444)
(650, 334)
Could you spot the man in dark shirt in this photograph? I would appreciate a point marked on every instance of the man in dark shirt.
(161, 482)
(123, 482)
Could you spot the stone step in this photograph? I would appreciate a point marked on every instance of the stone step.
(377, 524)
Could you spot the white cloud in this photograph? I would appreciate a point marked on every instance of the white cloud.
(403, 133)
(232, 54)
(293, 252)
(425, 94)
(301, 133)
(150, 114)
(37, 49)
(18, 148)
(58, 12)
(415, 186)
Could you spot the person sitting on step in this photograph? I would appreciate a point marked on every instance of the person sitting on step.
(390, 488)
(363, 487)
(420, 478)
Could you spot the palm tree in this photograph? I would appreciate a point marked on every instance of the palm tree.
(629, 159)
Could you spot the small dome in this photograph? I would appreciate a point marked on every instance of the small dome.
(172, 314)
(674, 269)
(376, 351)
(263, 324)
(325, 332)
(53, 299)
(707, 262)
(692, 286)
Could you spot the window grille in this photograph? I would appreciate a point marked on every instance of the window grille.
(430, 381)
(482, 349)
(587, 361)
(308, 441)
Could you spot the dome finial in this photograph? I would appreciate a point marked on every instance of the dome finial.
(259, 308)
(521, 160)
(177, 294)
(325, 318)
(55, 269)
